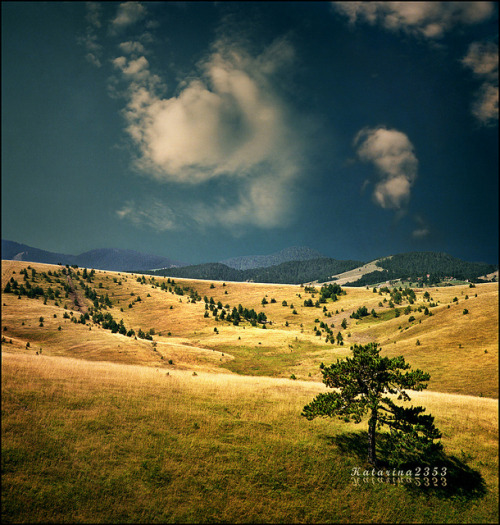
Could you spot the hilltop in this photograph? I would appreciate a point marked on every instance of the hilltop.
(250, 262)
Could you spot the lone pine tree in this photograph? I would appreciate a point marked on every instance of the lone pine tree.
(364, 383)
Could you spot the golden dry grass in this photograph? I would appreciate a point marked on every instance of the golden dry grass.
(460, 351)
(92, 441)
(100, 427)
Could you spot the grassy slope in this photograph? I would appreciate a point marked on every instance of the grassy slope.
(279, 350)
(109, 442)
(85, 440)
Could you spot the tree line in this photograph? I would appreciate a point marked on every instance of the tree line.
(426, 267)
(291, 272)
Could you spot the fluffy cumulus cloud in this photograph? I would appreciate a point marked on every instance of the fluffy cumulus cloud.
(427, 19)
(392, 154)
(482, 60)
(226, 124)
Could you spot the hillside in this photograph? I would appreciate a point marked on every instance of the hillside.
(354, 275)
(291, 272)
(295, 339)
(427, 267)
(249, 262)
(418, 267)
(96, 442)
(129, 397)
(21, 252)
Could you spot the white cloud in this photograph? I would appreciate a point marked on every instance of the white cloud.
(428, 19)
(392, 153)
(138, 80)
(128, 13)
(485, 106)
(226, 124)
(137, 69)
(482, 59)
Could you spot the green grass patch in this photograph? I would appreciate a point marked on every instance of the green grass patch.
(261, 360)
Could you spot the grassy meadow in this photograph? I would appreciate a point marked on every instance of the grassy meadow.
(201, 423)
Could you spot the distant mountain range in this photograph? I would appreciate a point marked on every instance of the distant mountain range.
(294, 265)
(104, 259)
(129, 260)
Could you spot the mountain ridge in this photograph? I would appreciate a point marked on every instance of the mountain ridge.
(250, 262)
(112, 259)
(424, 266)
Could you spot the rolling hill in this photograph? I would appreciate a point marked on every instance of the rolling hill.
(133, 397)
(430, 267)
(290, 272)
(96, 310)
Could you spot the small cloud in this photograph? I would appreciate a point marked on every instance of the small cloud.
(426, 19)
(138, 79)
(422, 231)
(128, 13)
(90, 39)
(392, 153)
(138, 68)
(132, 48)
(93, 15)
(482, 60)
(485, 106)
(154, 214)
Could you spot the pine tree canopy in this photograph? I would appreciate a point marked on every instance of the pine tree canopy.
(368, 383)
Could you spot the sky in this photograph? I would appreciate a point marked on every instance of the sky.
(201, 131)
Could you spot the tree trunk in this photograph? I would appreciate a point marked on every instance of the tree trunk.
(372, 424)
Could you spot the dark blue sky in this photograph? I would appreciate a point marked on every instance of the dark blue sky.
(202, 131)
